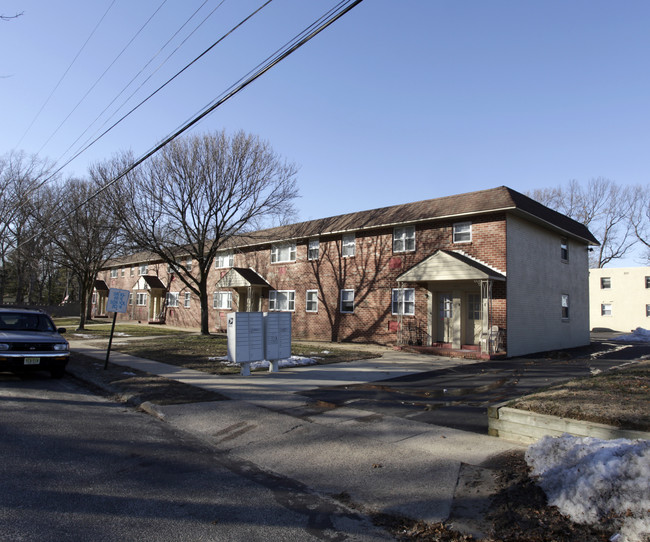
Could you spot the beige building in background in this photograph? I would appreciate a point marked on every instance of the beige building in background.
(619, 299)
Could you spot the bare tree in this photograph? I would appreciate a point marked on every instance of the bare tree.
(603, 206)
(81, 224)
(197, 193)
(640, 217)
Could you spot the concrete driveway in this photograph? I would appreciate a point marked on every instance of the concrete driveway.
(458, 396)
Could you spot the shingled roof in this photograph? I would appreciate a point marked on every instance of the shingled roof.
(458, 206)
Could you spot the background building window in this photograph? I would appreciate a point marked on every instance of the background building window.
(605, 282)
(606, 309)
(403, 301)
(141, 299)
(143, 269)
(647, 282)
(224, 259)
(188, 297)
(285, 252)
(222, 300)
(312, 301)
(565, 307)
(113, 273)
(347, 300)
(404, 239)
(462, 232)
(282, 300)
(348, 246)
(647, 310)
(564, 249)
(313, 249)
(172, 299)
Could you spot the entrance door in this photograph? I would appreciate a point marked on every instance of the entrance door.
(474, 326)
(444, 318)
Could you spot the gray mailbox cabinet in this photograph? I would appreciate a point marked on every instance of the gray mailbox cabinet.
(245, 336)
(277, 335)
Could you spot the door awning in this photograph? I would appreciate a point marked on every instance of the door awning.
(450, 265)
(101, 286)
(149, 282)
(241, 277)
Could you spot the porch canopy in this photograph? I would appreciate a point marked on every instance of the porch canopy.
(449, 265)
(101, 286)
(241, 277)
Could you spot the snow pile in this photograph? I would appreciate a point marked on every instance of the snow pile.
(293, 361)
(589, 479)
(638, 335)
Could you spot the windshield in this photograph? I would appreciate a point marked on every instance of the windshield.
(16, 321)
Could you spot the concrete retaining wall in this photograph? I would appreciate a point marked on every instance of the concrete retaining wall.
(527, 427)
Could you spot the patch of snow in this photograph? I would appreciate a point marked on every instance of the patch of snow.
(589, 478)
(218, 358)
(128, 373)
(638, 335)
(293, 361)
(83, 336)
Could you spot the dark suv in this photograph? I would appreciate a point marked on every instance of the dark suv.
(30, 341)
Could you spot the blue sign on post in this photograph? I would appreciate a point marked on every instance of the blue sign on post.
(118, 301)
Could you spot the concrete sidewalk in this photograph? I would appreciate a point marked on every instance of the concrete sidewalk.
(380, 463)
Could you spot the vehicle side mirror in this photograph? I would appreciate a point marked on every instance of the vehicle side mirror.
(61, 330)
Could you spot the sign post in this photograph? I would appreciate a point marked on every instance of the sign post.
(118, 301)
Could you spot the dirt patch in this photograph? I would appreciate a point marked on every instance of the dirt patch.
(598, 398)
(133, 386)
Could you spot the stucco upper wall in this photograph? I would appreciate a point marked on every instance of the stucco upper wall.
(538, 277)
(627, 298)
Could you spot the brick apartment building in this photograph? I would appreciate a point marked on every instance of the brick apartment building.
(485, 271)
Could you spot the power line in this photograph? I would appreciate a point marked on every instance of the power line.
(292, 46)
(64, 74)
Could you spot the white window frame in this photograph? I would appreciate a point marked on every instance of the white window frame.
(188, 264)
(606, 309)
(141, 299)
(283, 252)
(224, 259)
(313, 302)
(186, 302)
(222, 300)
(313, 249)
(94, 299)
(404, 239)
(399, 302)
(113, 273)
(346, 297)
(282, 300)
(122, 272)
(462, 232)
(132, 271)
(566, 314)
(348, 245)
(172, 299)
(143, 269)
(130, 298)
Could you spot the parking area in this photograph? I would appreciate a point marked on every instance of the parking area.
(458, 397)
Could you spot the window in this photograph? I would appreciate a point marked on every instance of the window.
(188, 264)
(225, 259)
(606, 309)
(404, 239)
(347, 300)
(141, 299)
(313, 249)
(474, 307)
(565, 307)
(285, 252)
(312, 301)
(349, 245)
(282, 300)
(403, 301)
(94, 299)
(131, 298)
(122, 271)
(462, 232)
(113, 273)
(172, 299)
(647, 282)
(564, 249)
(188, 296)
(132, 271)
(647, 310)
(222, 300)
(605, 282)
(143, 269)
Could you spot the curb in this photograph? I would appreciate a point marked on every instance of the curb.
(526, 427)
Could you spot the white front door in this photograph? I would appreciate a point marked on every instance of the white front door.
(445, 317)
(474, 324)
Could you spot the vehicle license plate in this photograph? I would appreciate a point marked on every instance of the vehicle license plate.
(32, 361)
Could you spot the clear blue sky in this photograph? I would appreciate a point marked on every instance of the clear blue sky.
(400, 100)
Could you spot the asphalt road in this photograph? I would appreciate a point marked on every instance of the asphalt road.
(77, 467)
(458, 397)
